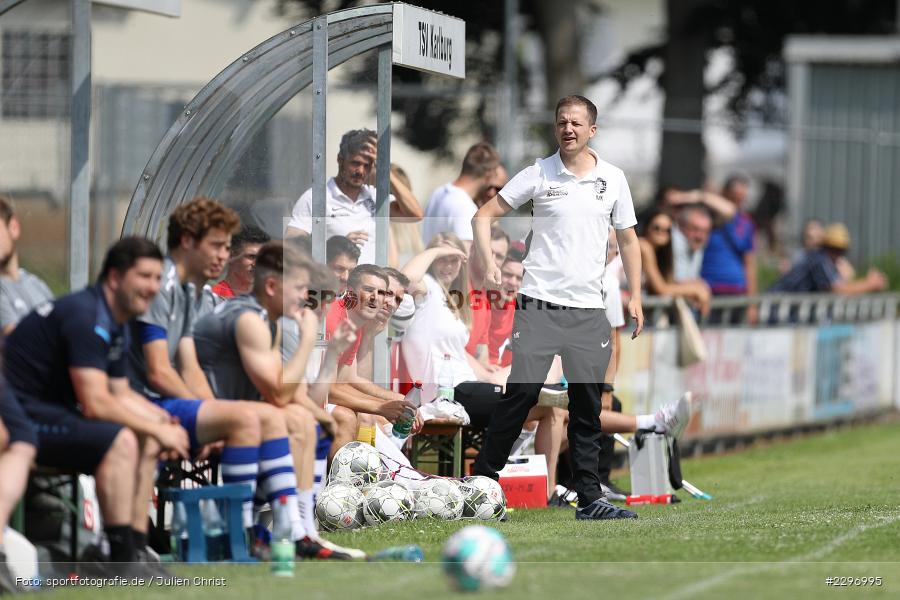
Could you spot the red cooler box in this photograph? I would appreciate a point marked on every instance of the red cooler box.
(524, 481)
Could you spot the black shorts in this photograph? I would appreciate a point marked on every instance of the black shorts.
(66, 438)
(17, 423)
(479, 399)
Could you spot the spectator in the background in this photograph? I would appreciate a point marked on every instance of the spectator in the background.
(499, 179)
(341, 256)
(245, 246)
(818, 272)
(406, 234)
(690, 235)
(452, 205)
(729, 263)
(812, 236)
(695, 213)
(657, 263)
(480, 301)
(765, 215)
(20, 291)
(502, 314)
(350, 201)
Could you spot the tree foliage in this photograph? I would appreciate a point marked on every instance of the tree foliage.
(753, 31)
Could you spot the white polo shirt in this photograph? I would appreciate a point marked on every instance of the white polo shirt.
(450, 209)
(615, 313)
(570, 225)
(342, 215)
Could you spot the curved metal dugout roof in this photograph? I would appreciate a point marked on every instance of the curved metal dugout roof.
(218, 124)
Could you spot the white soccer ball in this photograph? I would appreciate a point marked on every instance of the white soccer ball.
(357, 464)
(483, 498)
(340, 506)
(387, 501)
(439, 498)
(478, 557)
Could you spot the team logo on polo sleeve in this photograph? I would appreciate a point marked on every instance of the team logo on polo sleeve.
(599, 187)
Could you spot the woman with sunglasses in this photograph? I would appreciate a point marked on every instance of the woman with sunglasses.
(656, 259)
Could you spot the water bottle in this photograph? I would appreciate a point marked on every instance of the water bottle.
(282, 543)
(445, 379)
(214, 529)
(403, 425)
(411, 553)
(179, 531)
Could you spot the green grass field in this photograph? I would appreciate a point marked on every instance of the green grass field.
(784, 517)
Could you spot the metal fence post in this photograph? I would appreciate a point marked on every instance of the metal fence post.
(79, 171)
(319, 92)
(381, 357)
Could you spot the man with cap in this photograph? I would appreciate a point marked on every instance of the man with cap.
(817, 271)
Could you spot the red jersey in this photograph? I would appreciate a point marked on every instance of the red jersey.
(481, 320)
(337, 313)
(499, 332)
(223, 289)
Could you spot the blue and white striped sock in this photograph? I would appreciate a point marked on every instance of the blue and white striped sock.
(240, 464)
(277, 479)
(323, 447)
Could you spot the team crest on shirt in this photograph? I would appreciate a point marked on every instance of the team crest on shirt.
(599, 187)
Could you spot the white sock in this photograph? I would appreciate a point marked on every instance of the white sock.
(306, 508)
(524, 437)
(298, 528)
(386, 447)
(646, 422)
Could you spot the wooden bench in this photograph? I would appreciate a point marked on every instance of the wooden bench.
(441, 438)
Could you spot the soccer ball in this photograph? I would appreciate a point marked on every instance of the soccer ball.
(387, 501)
(477, 557)
(340, 506)
(484, 498)
(357, 464)
(439, 498)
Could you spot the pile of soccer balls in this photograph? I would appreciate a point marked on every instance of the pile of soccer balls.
(361, 492)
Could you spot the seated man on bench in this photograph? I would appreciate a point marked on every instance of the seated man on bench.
(65, 362)
(365, 304)
(255, 434)
(238, 346)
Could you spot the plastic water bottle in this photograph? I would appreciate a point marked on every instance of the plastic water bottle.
(179, 531)
(445, 379)
(403, 426)
(282, 544)
(411, 553)
(215, 531)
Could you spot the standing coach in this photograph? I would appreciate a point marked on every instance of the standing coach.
(560, 308)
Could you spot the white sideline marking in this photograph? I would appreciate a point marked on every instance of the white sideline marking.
(715, 580)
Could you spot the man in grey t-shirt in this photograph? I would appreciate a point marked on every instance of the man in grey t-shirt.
(237, 346)
(20, 291)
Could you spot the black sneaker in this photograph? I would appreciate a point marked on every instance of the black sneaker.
(150, 562)
(7, 581)
(600, 509)
(310, 548)
(557, 501)
(95, 563)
